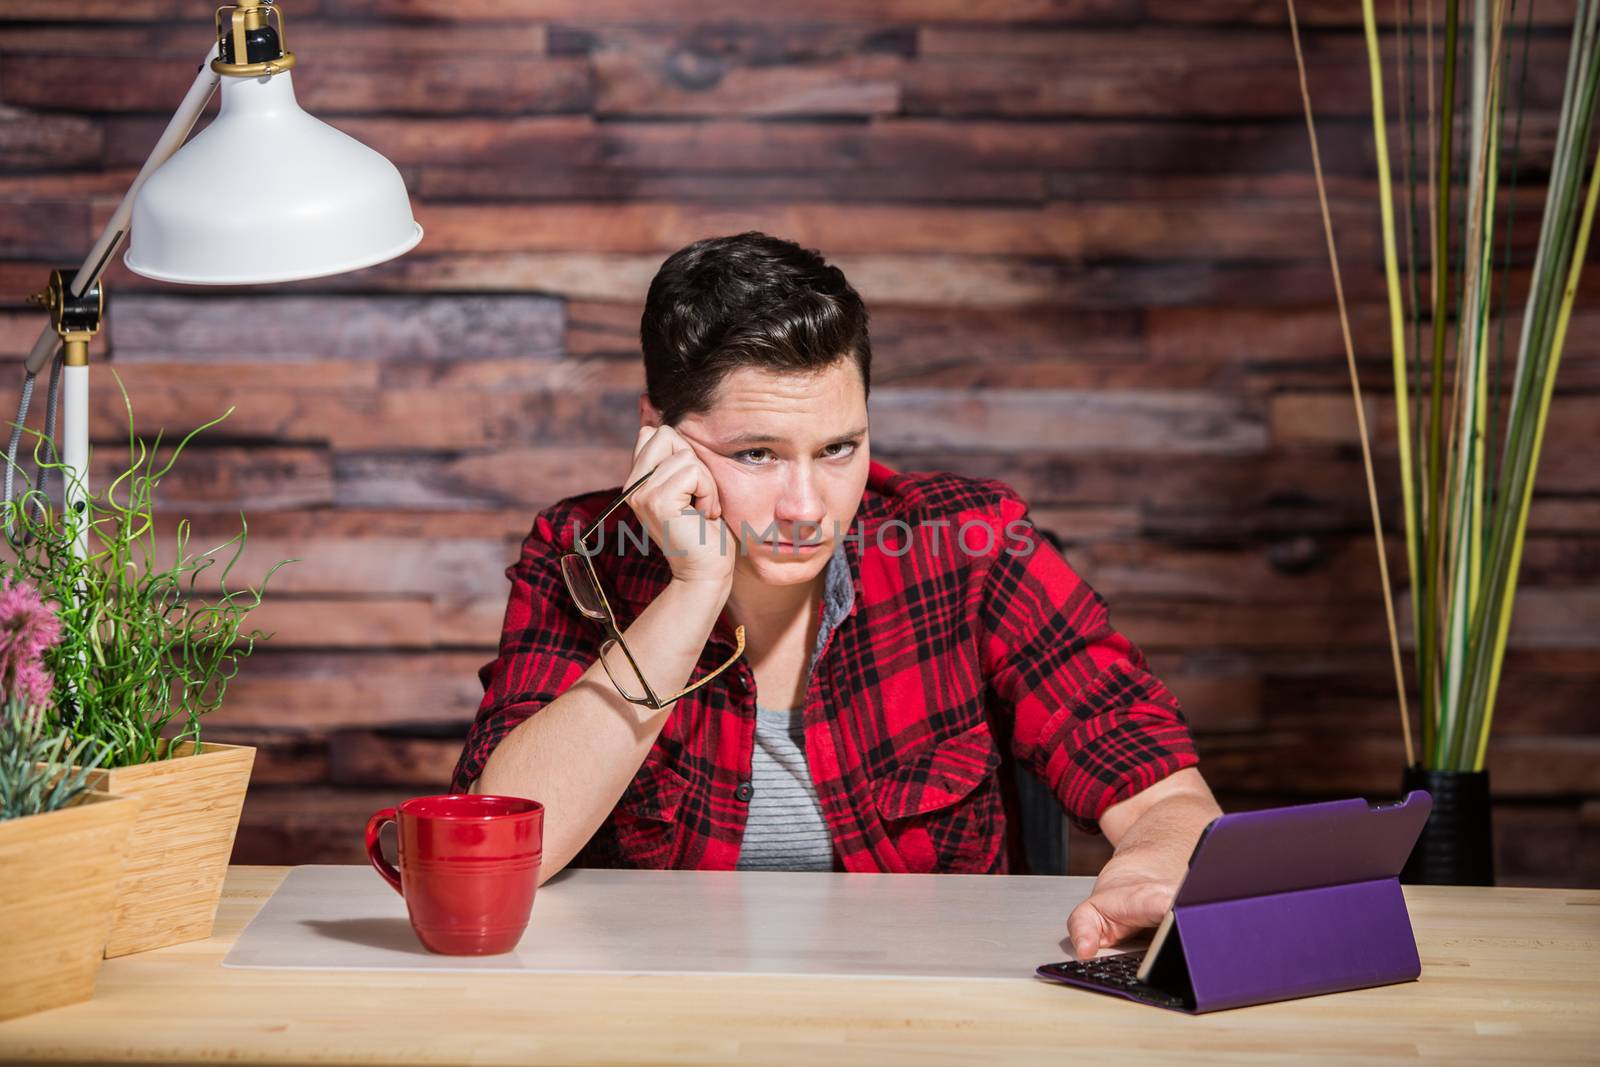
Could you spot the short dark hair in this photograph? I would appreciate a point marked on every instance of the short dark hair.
(748, 300)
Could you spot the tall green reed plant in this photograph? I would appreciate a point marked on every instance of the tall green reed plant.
(142, 656)
(1467, 470)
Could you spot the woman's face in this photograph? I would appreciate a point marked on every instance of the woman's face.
(789, 454)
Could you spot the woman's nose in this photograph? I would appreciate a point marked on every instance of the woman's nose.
(799, 501)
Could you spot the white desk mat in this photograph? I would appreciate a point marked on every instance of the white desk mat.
(692, 922)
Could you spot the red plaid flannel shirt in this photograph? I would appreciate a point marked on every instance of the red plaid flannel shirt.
(950, 662)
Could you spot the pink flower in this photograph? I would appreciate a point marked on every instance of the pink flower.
(27, 628)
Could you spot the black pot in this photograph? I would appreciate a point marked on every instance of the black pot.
(1457, 845)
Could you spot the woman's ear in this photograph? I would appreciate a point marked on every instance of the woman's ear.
(648, 415)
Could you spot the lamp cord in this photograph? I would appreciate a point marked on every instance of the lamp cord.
(51, 407)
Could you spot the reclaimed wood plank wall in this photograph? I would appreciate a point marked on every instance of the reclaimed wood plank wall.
(1089, 237)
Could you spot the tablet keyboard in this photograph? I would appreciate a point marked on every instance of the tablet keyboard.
(1116, 974)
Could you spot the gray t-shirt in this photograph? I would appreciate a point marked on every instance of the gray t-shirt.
(785, 829)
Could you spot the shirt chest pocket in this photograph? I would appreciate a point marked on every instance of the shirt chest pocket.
(646, 816)
(941, 805)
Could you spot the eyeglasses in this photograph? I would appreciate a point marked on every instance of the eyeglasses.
(577, 568)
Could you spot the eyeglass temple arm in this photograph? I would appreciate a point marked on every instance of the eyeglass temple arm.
(600, 519)
(738, 636)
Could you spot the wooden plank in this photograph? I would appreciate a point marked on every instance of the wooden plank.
(1284, 337)
(245, 376)
(632, 85)
(601, 328)
(1295, 570)
(1328, 13)
(93, 186)
(1044, 347)
(562, 183)
(1048, 347)
(44, 228)
(1312, 490)
(385, 420)
(1565, 515)
(1263, 230)
(366, 760)
(442, 327)
(361, 82)
(471, 620)
(607, 11)
(1557, 618)
(1234, 333)
(409, 141)
(1059, 420)
(994, 366)
(1329, 418)
(1154, 84)
(1217, 702)
(1233, 73)
(1519, 767)
(322, 689)
(505, 478)
(30, 140)
(1543, 619)
(1168, 26)
(59, 83)
(463, 566)
(509, 526)
(283, 756)
(716, 146)
(1165, 622)
(1546, 844)
(301, 825)
(904, 279)
(98, 10)
(304, 622)
(227, 479)
(18, 330)
(1310, 418)
(314, 40)
(1087, 523)
(1531, 703)
(696, 51)
(584, 376)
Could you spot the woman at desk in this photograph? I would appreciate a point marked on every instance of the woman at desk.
(765, 650)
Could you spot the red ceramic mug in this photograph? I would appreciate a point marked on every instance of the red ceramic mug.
(469, 866)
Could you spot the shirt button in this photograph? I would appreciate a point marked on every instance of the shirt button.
(744, 792)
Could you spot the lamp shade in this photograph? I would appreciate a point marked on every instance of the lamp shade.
(266, 193)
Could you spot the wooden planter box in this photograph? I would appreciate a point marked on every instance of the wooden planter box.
(56, 900)
(181, 843)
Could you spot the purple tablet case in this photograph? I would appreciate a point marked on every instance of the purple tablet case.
(1285, 903)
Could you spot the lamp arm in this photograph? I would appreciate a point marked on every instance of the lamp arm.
(116, 228)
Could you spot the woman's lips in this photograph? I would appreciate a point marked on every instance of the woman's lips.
(808, 546)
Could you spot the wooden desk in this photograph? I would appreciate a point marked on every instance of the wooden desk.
(1509, 976)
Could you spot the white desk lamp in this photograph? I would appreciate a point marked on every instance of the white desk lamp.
(265, 193)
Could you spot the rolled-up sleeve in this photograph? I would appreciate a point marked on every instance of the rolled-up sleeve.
(545, 646)
(1090, 719)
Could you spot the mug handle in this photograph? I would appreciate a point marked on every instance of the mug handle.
(375, 849)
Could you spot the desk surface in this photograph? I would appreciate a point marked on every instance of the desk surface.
(1509, 976)
(717, 923)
